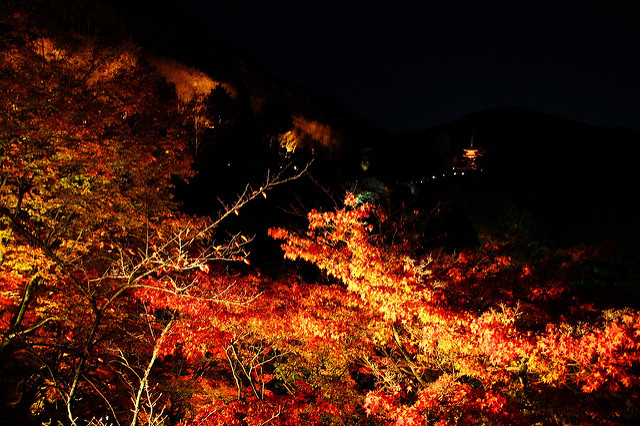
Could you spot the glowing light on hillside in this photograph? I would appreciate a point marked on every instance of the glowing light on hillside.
(310, 133)
(190, 83)
(48, 50)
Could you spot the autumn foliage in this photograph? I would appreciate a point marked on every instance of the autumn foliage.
(92, 140)
(474, 337)
(116, 307)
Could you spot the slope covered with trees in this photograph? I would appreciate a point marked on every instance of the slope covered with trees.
(123, 301)
(92, 139)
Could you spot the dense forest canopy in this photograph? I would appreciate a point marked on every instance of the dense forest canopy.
(133, 187)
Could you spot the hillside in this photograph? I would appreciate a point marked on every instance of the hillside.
(532, 160)
(576, 180)
(185, 241)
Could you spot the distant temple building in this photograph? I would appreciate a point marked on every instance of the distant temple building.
(471, 155)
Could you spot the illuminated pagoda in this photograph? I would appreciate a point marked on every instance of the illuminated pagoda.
(471, 154)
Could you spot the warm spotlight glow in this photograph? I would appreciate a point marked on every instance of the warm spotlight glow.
(48, 50)
(310, 133)
(190, 83)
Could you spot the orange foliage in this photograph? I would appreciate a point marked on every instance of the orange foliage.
(474, 321)
(108, 292)
(311, 134)
(191, 84)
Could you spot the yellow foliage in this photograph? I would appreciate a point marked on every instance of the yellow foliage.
(382, 334)
(46, 48)
(190, 83)
(84, 57)
(309, 132)
(125, 61)
(290, 141)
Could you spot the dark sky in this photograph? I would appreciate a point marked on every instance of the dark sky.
(408, 65)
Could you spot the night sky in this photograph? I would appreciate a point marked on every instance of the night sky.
(411, 65)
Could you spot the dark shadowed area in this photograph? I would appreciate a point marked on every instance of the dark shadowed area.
(408, 65)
